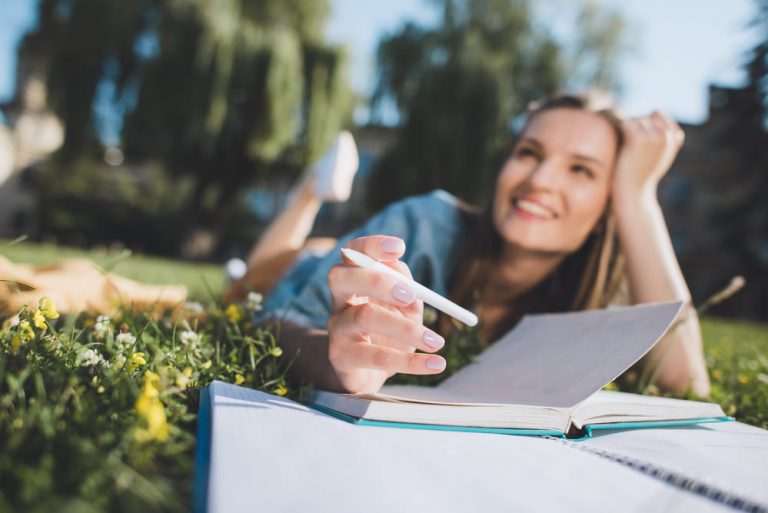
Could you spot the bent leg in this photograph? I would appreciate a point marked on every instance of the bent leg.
(264, 275)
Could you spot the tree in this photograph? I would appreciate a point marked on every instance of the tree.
(459, 89)
(228, 92)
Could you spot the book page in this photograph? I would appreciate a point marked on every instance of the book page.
(560, 360)
(607, 407)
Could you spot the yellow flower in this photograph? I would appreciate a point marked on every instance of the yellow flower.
(150, 377)
(48, 308)
(239, 378)
(15, 343)
(234, 313)
(717, 374)
(150, 410)
(183, 378)
(39, 320)
(281, 390)
(135, 361)
(743, 379)
(25, 331)
(276, 352)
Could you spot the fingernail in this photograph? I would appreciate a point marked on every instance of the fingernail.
(435, 363)
(433, 340)
(403, 294)
(392, 246)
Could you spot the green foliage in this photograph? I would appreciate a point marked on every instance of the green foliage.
(737, 356)
(460, 87)
(101, 412)
(226, 92)
(142, 208)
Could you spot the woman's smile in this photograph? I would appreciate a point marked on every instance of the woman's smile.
(527, 207)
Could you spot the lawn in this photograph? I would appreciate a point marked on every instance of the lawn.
(201, 279)
(99, 414)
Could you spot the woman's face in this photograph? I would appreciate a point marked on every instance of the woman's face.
(554, 186)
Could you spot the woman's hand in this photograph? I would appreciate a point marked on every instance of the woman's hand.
(650, 146)
(376, 325)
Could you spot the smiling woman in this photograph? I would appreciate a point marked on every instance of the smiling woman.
(573, 222)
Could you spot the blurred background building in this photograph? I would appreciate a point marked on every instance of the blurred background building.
(177, 128)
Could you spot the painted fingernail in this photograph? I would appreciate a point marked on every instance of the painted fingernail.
(403, 294)
(432, 339)
(435, 363)
(392, 246)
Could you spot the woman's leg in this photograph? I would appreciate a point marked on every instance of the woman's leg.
(280, 244)
(330, 179)
(290, 229)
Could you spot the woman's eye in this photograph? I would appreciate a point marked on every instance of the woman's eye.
(582, 170)
(527, 152)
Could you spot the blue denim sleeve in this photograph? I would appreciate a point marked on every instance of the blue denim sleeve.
(432, 227)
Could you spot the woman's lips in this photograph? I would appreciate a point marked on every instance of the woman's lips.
(528, 209)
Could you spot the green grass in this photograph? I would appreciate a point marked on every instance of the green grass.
(737, 358)
(202, 280)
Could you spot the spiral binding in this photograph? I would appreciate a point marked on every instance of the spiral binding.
(700, 487)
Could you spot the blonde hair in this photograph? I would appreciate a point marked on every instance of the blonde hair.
(587, 279)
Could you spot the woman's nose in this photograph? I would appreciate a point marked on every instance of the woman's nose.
(545, 175)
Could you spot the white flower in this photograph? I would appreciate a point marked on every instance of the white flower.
(120, 361)
(254, 301)
(11, 322)
(194, 307)
(123, 340)
(189, 337)
(90, 358)
(102, 326)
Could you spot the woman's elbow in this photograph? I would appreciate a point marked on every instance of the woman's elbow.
(682, 384)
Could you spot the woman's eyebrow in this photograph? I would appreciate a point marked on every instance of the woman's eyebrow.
(532, 141)
(535, 142)
(594, 160)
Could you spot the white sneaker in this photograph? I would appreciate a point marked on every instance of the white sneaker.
(235, 268)
(336, 169)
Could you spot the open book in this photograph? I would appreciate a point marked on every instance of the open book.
(544, 378)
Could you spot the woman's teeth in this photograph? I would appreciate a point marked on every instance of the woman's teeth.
(534, 208)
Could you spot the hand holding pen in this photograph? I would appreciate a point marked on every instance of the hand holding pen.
(376, 325)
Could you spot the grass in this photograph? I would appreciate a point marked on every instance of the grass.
(737, 359)
(202, 280)
(99, 415)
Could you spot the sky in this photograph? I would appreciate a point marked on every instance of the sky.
(679, 46)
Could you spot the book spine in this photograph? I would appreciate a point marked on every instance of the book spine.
(717, 493)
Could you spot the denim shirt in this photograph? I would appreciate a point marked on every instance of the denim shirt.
(433, 228)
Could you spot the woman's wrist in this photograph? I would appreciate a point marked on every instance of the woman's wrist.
(633, 203)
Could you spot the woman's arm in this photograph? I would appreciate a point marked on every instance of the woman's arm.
(654, 274)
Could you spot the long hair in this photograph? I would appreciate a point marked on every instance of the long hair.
(586, 279)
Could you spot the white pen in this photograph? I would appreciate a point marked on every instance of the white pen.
(430, 297)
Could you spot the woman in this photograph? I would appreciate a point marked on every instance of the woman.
(573, 212)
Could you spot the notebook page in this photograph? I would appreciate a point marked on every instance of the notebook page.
(729, 457)
(561, 359)
(270, 454)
